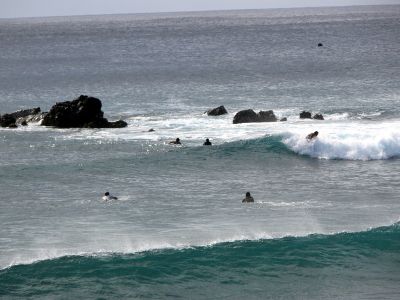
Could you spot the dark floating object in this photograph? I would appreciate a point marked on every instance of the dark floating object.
(220, 110)
(151, 130)
(250, 116)
(284, 119)
(320, 45)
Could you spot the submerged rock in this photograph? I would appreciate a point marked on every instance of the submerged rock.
(117, 124)
(217, 111)
(284, 119)
(83, 112)
(250, 116)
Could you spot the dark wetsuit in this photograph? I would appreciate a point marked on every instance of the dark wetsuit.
(248, 199)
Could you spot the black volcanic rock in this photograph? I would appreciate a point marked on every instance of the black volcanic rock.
(245, 116)
(217, 111)
(267, 116)
(318, 117)
(83, 112)
(8, 120)
(31, 118)
(305, 115)
(26, 112)
(250, 116)
(21, 117)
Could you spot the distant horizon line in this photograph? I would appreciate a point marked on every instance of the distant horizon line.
(193, 11)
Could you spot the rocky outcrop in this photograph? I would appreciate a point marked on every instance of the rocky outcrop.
(250, 116)
(217, 111)
(8, 120)
(31, 118)
(29, 115)
(83, 112)
(26, 112)
(245, 116)
(267, 116)
(21, 117)
(305, 115)
(318, 117)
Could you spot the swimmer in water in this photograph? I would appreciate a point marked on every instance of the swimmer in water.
(176, 142)
(108, 197)
(248, 198)
(207, 143)
(311, 136)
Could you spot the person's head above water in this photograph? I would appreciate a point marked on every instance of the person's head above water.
(207, 140)
(176, 142)
(106, 194)
(315, 133)
(248, 194)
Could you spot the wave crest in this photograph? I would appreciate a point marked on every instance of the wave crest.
(351, 145)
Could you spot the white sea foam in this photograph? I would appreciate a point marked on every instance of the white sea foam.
(122, 246)
(339, 138)
(353, 141)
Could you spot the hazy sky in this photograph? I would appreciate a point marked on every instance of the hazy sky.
(33, 8)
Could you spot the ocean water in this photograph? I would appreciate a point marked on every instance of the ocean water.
(325, 222)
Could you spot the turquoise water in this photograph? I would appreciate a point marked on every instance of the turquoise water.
(324, 224)
(359, 265)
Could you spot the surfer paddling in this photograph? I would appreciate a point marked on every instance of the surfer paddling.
(108, 197)
(176, 142)
(312, 136)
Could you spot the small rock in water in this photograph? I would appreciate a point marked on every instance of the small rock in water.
(250, 116)
(318, 117)
(217, 111)
(305, 115)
